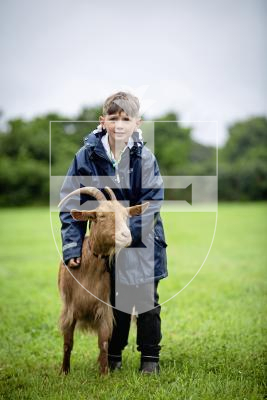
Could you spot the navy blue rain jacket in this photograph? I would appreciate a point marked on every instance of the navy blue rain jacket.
(91, 161)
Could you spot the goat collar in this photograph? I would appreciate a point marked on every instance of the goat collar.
(106, 257)
(103, 256)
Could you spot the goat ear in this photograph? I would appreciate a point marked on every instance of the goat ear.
(83, 215)
(137, 210)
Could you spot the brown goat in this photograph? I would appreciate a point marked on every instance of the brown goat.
(92, 311)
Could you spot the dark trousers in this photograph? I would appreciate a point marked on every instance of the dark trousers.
(148, 328)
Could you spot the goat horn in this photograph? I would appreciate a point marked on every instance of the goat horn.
(111, 193)
(91, 191)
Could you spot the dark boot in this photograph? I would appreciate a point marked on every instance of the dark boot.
(114, 362)
(149, 367)
(114, 365)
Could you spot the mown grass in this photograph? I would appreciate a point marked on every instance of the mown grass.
(214, 331)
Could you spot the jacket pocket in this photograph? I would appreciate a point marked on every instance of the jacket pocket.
(159, 240)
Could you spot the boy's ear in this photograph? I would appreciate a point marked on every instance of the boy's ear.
(139, 122)
(102, 120)
(83, 215)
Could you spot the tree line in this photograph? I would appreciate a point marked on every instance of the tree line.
(25, 155)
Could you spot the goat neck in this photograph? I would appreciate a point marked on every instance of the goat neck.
(100, 249)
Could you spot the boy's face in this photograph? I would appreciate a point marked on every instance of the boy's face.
(119, 126)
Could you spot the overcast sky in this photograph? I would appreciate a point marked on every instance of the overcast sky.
(206, 60)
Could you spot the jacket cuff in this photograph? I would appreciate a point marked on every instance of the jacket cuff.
(71, 250)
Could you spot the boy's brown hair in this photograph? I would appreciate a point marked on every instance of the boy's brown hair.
(122, 101)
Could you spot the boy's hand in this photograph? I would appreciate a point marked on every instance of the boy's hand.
(74, 262)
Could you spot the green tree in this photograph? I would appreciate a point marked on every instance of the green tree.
(243, 166)
(172, 144)
(247, 140)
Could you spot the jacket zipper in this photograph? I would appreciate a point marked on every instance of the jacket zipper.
(117, 176)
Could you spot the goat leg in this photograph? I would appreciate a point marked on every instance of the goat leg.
(68, 345)
(103, 337)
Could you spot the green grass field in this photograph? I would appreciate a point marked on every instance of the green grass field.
(214, 331)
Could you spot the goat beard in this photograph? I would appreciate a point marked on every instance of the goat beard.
(113, 254)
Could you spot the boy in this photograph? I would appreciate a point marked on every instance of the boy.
(115, 154)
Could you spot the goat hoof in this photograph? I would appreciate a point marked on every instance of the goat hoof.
(104, 371)
(64, 370)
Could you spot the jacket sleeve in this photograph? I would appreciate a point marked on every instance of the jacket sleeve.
(152, 190)
(72, 232)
